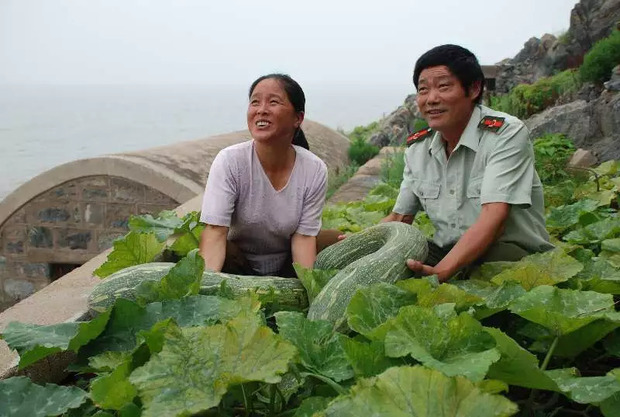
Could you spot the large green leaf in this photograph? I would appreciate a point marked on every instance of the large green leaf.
(113, 391)
(562, 311)
(596, 232)
(566, 216)
(133, 249)
(547, 268)
(456, 345)
(370, 308)
(313, 280)
(598, 275)
(418, 392)
(20, 397)
(494, 297)
(182, 280)
(611, 245)
(311, 405)
(517, 366)
(197, 365)
(318, 343)
(162, 227)
(128, 318)
(34, 342)
(587, 390)
(188, 233)
(367, 359)
(611, 406)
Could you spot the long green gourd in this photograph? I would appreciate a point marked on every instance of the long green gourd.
(377, 254)
(288, 292)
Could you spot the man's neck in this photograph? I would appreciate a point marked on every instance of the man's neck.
(451, 136)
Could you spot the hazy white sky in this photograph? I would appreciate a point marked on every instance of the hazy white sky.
(231, 42)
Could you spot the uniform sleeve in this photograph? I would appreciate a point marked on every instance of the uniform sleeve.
(314, 200)
(407, 202)
(221, 192)
(509, 169)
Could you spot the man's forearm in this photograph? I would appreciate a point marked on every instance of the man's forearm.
(213, 247)
(475, 241)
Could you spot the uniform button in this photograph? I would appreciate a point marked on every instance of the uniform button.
(422, 193)
(453, 225)
(451, 191)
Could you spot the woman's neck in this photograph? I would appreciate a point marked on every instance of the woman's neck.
(275, 157)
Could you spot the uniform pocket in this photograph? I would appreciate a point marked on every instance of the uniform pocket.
(428, 193)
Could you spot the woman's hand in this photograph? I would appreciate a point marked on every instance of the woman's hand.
(213, 246)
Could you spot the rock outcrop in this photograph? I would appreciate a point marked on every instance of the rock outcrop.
(395, 128)
(590, 21)
(593, 125)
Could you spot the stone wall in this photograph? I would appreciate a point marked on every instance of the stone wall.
(65, 227)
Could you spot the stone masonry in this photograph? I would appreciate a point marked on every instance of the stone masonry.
(66, 226)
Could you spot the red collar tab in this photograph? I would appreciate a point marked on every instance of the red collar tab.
(419, 135)
(492, 123)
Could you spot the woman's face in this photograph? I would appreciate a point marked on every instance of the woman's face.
(271, 116)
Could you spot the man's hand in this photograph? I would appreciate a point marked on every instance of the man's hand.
(425, 270)
(396, 217)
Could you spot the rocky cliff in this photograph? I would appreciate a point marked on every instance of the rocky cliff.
(590, 21)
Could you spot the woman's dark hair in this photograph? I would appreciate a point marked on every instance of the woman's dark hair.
(295, 95)
(460, 61)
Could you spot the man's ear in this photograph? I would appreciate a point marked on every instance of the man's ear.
(475, 89)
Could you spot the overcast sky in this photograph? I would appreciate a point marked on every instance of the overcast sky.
(231, 42)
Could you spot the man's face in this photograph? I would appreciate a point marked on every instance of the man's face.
(442, 100)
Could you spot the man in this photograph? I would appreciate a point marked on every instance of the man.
(472, 171)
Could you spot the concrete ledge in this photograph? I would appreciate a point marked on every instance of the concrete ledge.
(64, 300)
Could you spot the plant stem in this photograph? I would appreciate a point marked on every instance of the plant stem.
(554, 345)
(245, 402)
(272, 399)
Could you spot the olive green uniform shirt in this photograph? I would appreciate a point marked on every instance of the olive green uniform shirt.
(485, 167)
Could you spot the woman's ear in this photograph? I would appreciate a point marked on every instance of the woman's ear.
(300, 119)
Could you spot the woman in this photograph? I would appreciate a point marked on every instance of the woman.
(264, 197)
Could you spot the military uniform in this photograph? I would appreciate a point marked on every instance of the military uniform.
(492, 162)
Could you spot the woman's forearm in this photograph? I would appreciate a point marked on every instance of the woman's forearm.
(213, 246)
(303, 249)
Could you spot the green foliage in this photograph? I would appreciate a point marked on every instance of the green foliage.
(363, 133)
(601, 59)
(546, 324)
(551, 153)
(340, 177)
(392, 168)
(527, 99)
(361, 151)
(419, 124)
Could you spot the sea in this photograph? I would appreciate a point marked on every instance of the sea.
(45, 126)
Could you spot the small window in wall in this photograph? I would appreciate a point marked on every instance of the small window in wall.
(58, 270)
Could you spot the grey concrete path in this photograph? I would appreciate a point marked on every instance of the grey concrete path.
(364, 180)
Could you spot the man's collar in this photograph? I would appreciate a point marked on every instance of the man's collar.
(470, 136)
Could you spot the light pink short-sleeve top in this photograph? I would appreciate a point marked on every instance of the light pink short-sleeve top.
(262, 220)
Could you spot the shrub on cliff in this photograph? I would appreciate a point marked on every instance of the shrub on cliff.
(361, 151)
(601, 59)
(527, 99)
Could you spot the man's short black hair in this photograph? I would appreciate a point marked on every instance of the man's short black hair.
(460, 61)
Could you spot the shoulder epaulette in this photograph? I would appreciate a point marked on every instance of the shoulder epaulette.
(419, 135)
(492, 123)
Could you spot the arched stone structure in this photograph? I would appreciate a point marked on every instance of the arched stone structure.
(69, 214)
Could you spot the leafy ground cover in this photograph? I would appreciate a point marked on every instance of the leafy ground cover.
(539, 337)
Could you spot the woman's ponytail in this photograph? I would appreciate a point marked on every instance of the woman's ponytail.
(300, 139)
